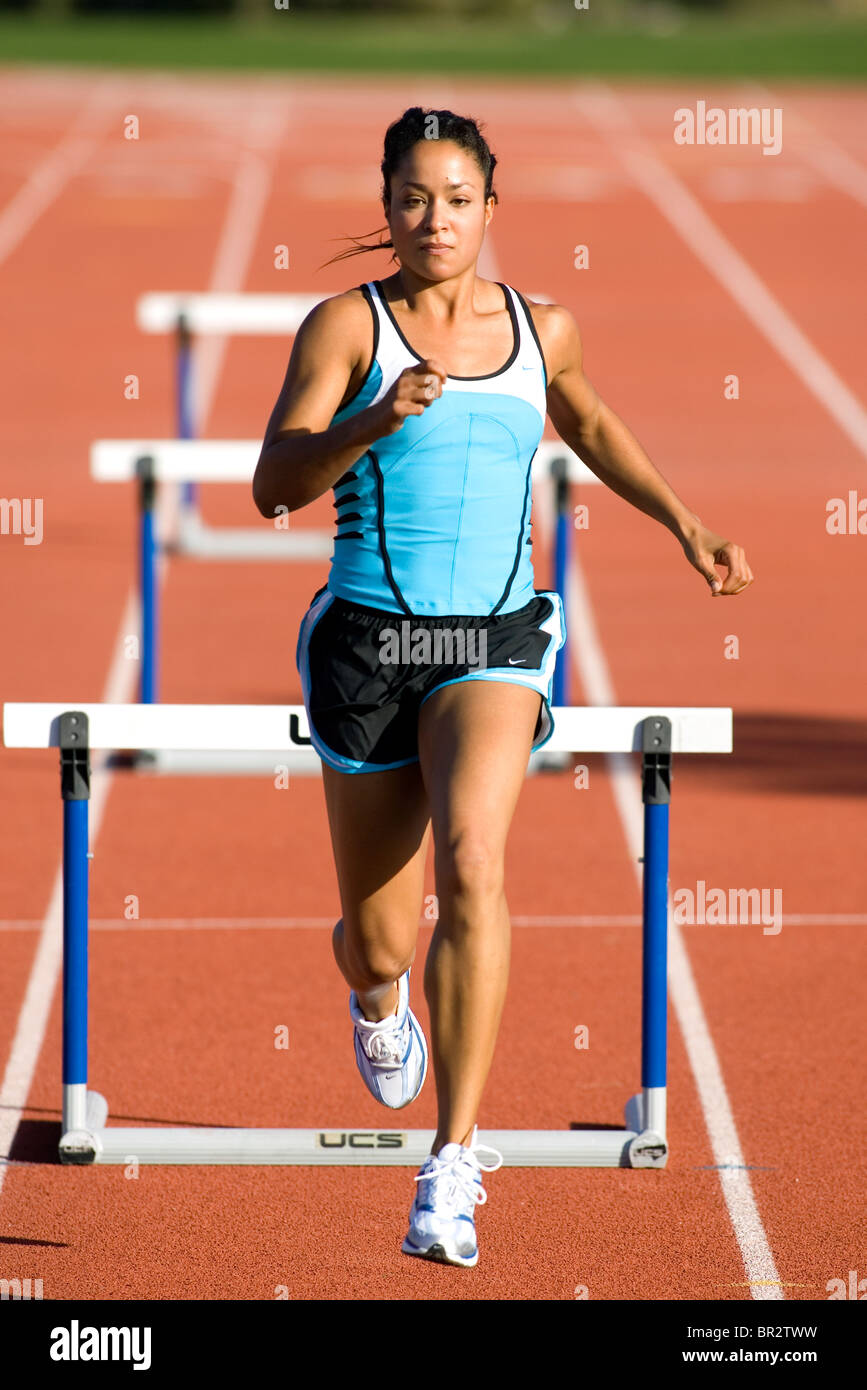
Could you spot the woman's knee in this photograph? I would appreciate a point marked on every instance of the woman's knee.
(469, 865)
(376, 954)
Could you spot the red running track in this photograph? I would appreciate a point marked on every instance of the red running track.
(185, 1000)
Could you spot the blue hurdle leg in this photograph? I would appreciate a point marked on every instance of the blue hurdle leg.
(654, 1012)
(562, 541)
(656, 793)
(184, 400)
(148, 580)
(75, 790)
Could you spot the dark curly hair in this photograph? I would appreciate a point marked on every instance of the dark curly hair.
(414, 125)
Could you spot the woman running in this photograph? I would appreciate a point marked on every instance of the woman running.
(427, 659)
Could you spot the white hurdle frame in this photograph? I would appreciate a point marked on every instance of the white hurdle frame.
(658, 733)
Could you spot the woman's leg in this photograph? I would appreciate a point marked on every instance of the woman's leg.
(380, 828)
(475, 739)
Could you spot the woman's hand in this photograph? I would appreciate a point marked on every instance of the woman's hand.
(704, 549)
(411, 394)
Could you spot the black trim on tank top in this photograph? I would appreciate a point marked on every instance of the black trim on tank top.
(526, 309)
(380, 525)
(486, 376)
(511, 579)
(366, 292)
(349, 477)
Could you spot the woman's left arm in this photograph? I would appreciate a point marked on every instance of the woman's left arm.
(613, 453)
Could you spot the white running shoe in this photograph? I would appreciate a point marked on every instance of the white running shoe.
(392, 1053)
(441, 1218)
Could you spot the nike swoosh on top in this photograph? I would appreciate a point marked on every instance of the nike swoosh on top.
(518, 661)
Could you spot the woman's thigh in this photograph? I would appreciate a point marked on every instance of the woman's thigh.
(475, 739)
(380, 831)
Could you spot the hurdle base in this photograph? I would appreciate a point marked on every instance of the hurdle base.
(80, 1145)
(543, 761)
(599, 1148)
(194, 538)
(645, 1115)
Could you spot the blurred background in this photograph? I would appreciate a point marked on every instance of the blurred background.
(797, 38)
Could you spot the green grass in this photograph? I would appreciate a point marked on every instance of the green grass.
(694, 45)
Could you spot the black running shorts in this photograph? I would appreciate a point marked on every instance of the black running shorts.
(365, 673)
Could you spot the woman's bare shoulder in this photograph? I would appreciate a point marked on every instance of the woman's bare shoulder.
(337, 328)
(558, 334)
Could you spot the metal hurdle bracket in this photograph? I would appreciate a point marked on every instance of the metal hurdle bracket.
(657, 734)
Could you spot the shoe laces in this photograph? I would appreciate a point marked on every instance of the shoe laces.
(385, 1048)
(460, 1174)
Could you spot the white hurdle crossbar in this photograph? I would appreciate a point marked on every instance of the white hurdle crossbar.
(242, 312)
(657, 733)
(234, 460)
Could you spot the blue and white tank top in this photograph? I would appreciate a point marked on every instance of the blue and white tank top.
(435, 519)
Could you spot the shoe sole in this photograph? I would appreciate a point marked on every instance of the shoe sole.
(438, 1254)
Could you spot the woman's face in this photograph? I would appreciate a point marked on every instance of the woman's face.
(438, 214)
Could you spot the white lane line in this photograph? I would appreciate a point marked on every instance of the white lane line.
(287, 923)
(249, 197)
(737, 1191)
(837, 167)
(588, 919)
(48, 180)
(692, 224)
(229, 273)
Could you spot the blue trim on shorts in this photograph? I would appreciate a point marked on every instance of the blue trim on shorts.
(501, 680)
(507, 678)
(302, 662)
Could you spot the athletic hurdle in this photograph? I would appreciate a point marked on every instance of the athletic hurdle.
(154, 461)
(657, 734)
(184, 314)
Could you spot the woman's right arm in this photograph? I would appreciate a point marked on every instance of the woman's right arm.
(301, 457)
